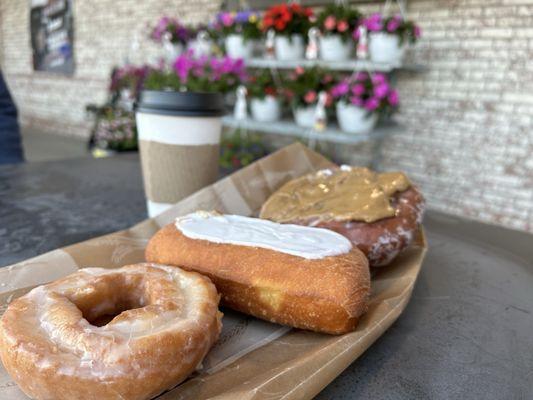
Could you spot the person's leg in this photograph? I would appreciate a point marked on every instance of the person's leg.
(10, 145)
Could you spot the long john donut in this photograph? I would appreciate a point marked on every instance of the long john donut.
(303, 277)
(168, 321)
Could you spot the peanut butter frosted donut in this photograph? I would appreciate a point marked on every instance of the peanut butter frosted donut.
(55, 344)
(378, 212)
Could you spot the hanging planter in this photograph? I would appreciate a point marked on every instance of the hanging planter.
(355, 119)
(289, 48)
(336, 23)
(304, 116)
(389, 37)
(173, 35)
(361, 99)
(240, 32)
(238, 47)
(334, 48)
(290, 22)
(264, 104)
(266, 109)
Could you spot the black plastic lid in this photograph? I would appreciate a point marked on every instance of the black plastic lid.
(190, 104)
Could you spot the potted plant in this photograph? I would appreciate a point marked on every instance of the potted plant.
(388, 37)
(290, 22)
(336, 23)
(240, 31)
(361, 98)
(202, 41)
(302, 89)
(264, 104)
(172, 34)
(125, 84)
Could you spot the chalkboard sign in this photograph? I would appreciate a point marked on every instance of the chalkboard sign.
(52, 36)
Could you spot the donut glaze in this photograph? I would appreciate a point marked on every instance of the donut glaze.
(55, 345)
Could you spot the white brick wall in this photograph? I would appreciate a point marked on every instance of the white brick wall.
(469, 118)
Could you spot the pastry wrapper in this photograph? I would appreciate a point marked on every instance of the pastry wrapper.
(253, 359)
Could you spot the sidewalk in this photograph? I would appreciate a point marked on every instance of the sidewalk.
(39, 146)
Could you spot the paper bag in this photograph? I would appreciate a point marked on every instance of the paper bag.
(253, 359)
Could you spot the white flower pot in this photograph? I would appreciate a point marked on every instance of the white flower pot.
(385, 48)
(333, 48)
(201, 48)
(237, 47)
(305, 116)
(265, 110)
(355, 119)
(289, 49)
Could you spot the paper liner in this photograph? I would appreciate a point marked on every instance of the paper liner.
(253, 359)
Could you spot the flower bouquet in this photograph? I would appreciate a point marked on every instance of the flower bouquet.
(204, 74)
(302, 89)
(262, 90)
(290, 22)
(336, 23)
(388, 37)
(172, 34)
(361, 98)
(240, 31)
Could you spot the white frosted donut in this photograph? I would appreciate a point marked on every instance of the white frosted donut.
(54, 345)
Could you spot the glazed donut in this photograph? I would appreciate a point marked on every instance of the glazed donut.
(379, 213)
(54, 346)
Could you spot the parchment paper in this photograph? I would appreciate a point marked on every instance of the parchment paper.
(253, 359)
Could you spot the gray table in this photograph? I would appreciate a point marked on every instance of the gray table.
(467, 332)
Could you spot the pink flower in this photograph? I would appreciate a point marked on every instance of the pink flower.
(299, 70)
(417, 31)
(340, 89)
(393, 98)
(226, 19)
(358, 89)
(371, 104)
(330, 23)
(374, 23)
(381, 90)
(310, 97)
(356, 101)
(379, 78)
(342, 26)
(393, 25)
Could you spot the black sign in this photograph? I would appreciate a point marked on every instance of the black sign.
(52, 36)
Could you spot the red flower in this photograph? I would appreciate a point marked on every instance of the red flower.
(310, 97)
(270, 91)
(330, 23)
(280, 25)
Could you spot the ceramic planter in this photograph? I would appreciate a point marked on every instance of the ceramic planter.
(386, 48)
(355, 119)
(237, 47)
(289, 48)
(333, 48)
(266, 109)
(305, 116)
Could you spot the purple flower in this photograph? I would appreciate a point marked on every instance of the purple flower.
(393, 25)
(381, 90)
(361, 76)
(243, 17)
(183, 65)
(374, 23)
(226, 18)
(393, 98)
(371, 104)
(356, 101)
(379, 78)
(358, 89)
(340, 89)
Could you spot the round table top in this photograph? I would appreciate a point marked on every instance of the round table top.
(466, 333)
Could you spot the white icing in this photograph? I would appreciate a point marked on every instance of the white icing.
(301, 241)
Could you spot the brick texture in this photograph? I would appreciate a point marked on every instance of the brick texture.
(469, 117)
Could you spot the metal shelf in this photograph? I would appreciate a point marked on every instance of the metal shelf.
(350, 65)
(331, 134)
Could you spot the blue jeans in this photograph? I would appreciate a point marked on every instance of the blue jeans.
(10, 146)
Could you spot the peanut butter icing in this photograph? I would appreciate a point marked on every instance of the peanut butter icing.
(345, 194)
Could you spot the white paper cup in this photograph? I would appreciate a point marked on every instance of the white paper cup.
(179, 139)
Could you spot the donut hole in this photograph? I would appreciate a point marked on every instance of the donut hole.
(111, 296)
